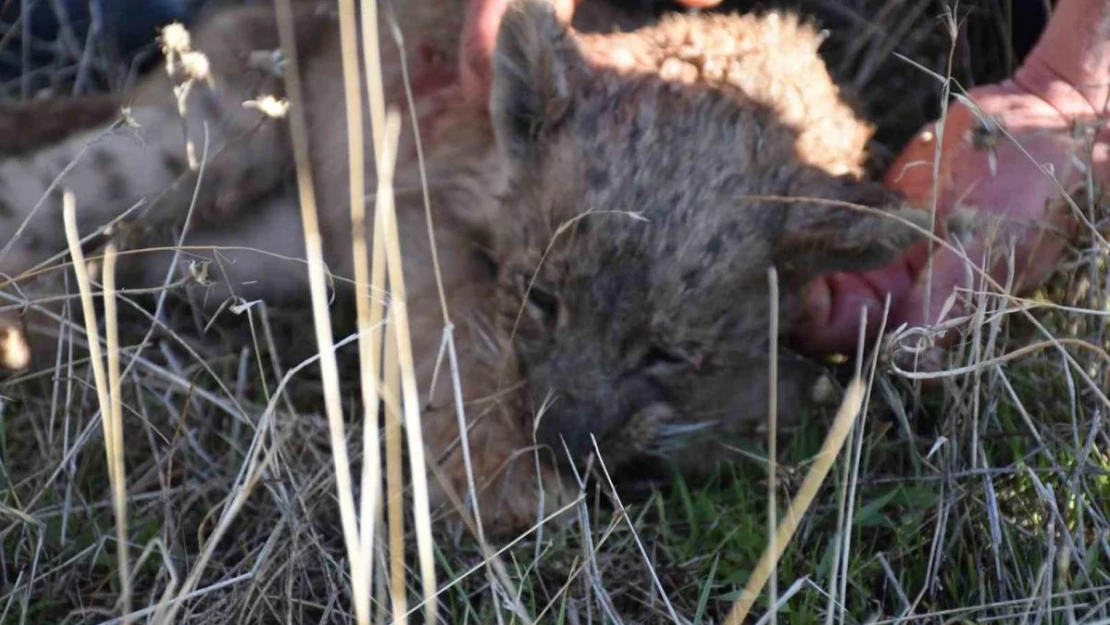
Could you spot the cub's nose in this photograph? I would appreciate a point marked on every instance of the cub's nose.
(622, 438)
(566, 424)
(564, 427)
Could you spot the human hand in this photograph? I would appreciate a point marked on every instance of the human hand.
(483, 18)
(1018, 182)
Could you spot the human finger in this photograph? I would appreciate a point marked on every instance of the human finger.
(834, 303)
(483, 19)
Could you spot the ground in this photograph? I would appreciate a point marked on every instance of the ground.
(978, 499)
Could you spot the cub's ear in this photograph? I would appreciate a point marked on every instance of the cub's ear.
(823, 237)
(531, 63)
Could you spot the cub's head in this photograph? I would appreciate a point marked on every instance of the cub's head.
(634, 256)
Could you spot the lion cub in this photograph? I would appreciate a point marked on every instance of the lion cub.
(605, 229)
(638, 228)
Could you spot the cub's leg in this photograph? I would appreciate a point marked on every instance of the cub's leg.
(34, 125)
(154, 159)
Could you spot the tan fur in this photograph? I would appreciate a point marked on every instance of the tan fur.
(789, 128)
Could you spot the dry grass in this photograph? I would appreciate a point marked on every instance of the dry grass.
(981, 500)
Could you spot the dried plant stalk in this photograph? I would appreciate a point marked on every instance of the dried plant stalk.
(834, 442)
(329, 371)
(111, 416)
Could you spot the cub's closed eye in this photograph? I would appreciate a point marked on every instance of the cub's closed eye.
(659, 358)
(541, 301)
(544, 300)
